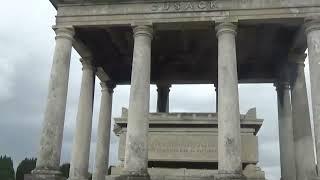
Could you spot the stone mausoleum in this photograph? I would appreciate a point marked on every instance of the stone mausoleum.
(166, 42)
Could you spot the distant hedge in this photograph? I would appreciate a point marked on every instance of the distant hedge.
(6, 168)
(25, 167)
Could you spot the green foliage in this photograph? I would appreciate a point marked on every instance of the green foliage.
(65, 168)
(25, 167)
(6, 168)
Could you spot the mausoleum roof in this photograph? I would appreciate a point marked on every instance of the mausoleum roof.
(185, 46)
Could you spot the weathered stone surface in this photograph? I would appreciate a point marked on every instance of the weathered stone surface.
(104, 128)
(302, 134)
(252, 172)
(128, 177)
(184, 31)
(313, 39)
(193, 141)
(286, 143)
(189, 138)
(51, 138)
(38, 176)
(192, 146)
(136, 153)
(81, 143)
(265, 21)
(229, 140)
(119, 13)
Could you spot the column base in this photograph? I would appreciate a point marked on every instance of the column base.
(77, 178)
(130, 177)
(253, 172)
(229, 176)
(44, 175)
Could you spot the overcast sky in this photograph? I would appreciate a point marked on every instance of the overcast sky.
(26, 49)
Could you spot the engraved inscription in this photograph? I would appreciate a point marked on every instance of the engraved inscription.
(182, 148)
(184, 6)
(190, 147)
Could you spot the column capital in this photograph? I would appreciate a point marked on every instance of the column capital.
(107, 86)
(297, 59)
(64, 32)
(282, 85)
(312, 24)
(226, 27)
(161, 85)
(143, 30)
(283, 72)
(87, 63)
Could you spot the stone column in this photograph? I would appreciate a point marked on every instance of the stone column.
(287, 154)
(51, 138)
(163, 98)
(305, 165)
(82, 138)
(104, 127)
(313, 39)
(229, 139)
(216, 90)
(136, 155)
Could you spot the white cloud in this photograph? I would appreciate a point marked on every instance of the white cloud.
(6, 71)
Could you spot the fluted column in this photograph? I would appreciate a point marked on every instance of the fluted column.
(229, 139)
(287, 154)
(48, 160)
(163, 97)
(104, 127)
(305, 164)
(136, 154)
(82, 138)
(313, 39)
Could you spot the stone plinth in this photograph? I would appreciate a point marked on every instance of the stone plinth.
(185, 145)
(43, 176)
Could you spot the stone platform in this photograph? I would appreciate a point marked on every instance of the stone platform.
(185, 145)
(252, 172)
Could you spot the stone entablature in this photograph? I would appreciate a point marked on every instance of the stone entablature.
(128, 12)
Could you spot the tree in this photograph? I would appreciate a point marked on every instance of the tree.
(25, 167)
(6, 168)
(65, 168)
